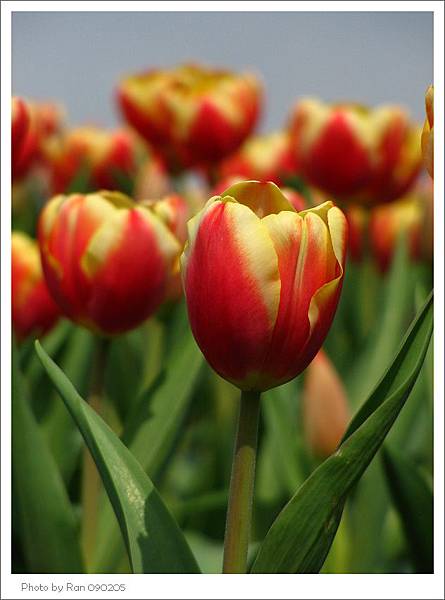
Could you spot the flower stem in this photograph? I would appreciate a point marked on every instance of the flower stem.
(239, 512)
(90, 476)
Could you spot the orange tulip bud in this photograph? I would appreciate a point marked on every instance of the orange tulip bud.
(325, 407)
(152, 180)
(33, 310)
(107, 260)
(265, 158)
(262, 282)
(357, 218)
(191, 115)
(105, 156)
(355, 153)
(428, 132)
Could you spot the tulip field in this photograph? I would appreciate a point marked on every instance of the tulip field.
(222, 339)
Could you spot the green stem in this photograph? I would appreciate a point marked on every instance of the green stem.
(239, 512)
(90, 476)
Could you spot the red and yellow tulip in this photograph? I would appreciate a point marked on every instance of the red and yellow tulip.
(428, 132)
(104, 156)
(191, 115)
(355, 153)
(262, 282)
(33, 310)
(264, 158)
(388, 222)
(325, 407)
(19, 130)
(107, 260)
(45, 121)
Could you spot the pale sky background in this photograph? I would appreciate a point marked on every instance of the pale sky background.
(77, 58)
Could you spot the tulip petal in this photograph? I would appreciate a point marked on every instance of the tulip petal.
(232, 288)
(129, 259)
(264, 198)
(306, 261)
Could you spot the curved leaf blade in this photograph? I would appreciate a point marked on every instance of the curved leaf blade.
(152, 537)
(151, 432)
(300, 538)
(48, 526)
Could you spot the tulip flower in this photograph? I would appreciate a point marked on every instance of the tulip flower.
(388, 222)
(107, 260)
(266, 158)
(106, 158)
(325, 407)
(355, 153)
(33, 310)
(191, 115)
(45, 121)
(19, 130)
(428, 132)
(262, 282)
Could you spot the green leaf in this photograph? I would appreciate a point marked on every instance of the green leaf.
(301, 536)
(62, 435)
(48, 526)
(153, 540)
(413, 498)
(152, 430)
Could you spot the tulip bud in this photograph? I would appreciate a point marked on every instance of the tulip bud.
(388, 222)
(428, 132)
(266, 158)
(33, 310)
(19, 130)
(152, 180)
(325, 407)
(106, 157)
(262, 282)
(355, 153)
(191, 115)
(107, 260)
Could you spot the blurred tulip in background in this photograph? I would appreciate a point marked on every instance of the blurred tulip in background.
(355, 153)
(428, 132)
(191, 115)
(33, 310)
(107, 260)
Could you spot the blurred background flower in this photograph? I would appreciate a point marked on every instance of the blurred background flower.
(34, 311)
(428, 132)
(191, 115)
(107, 261)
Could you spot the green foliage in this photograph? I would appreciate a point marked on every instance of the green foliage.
(47, 521)
(300, 538)
(153, 540)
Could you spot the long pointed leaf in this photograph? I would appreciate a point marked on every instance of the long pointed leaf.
(48, 526)
(152, 430)
(301, 536)
(152, 537)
